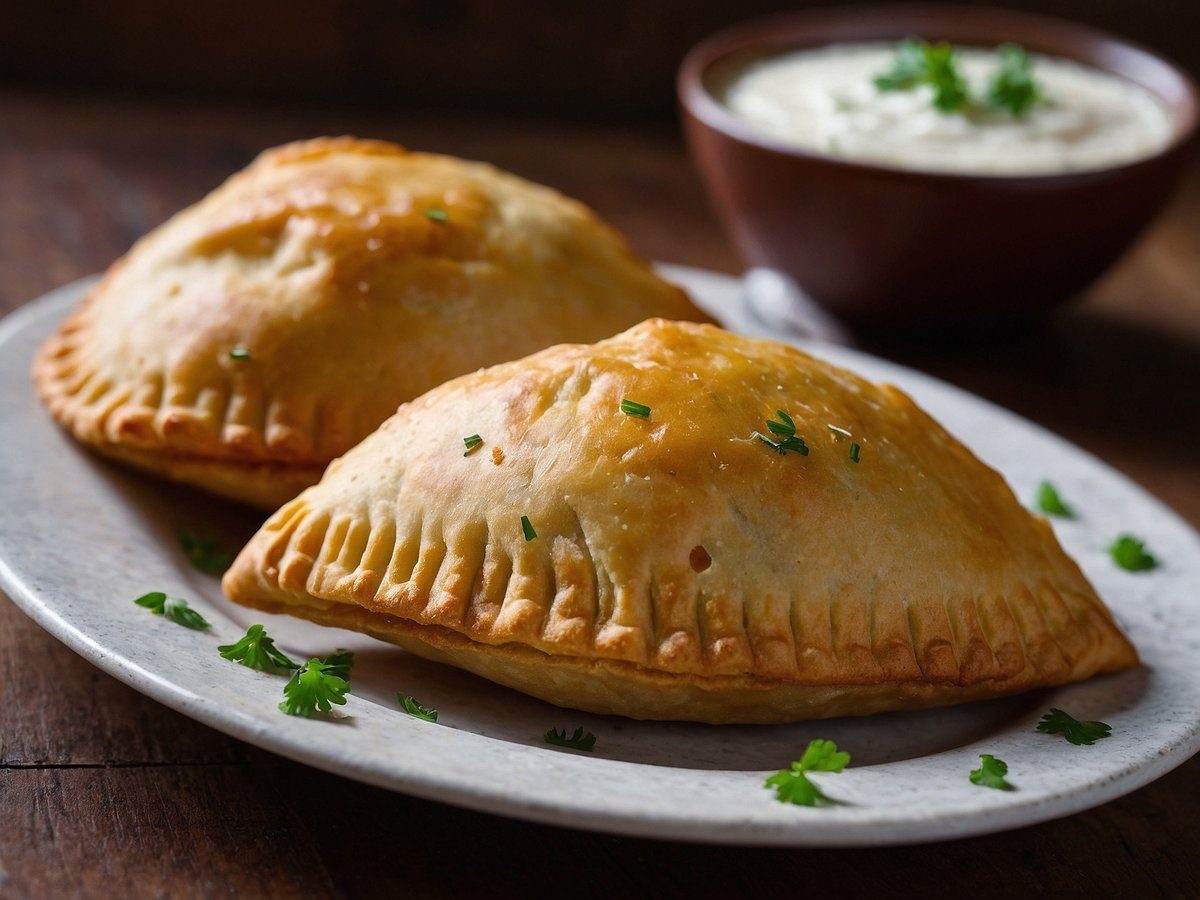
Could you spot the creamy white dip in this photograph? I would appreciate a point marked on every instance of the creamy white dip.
(825, 100)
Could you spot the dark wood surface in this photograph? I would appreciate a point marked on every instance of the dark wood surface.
(105, 793)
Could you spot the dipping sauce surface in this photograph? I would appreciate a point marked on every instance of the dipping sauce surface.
(824, 100)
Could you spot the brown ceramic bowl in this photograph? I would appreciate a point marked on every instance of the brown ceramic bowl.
(885, 247)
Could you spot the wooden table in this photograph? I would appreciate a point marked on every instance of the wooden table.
(104, 792)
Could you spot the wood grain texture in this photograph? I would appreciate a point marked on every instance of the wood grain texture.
(103, 792)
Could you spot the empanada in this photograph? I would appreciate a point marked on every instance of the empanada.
(683, 567)
(266, 330)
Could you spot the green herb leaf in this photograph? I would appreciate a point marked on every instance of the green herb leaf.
(855, 450)
(438, 215)
(908, 67)
(577, 741)
(172, 608)
(527, 528)
(257, 651)
(786, 424)
(632, 408)
(239, 353)
(339, 663)
(1130, 553)
(1079, 733)
(792, 785)
(413, 708)
(313, 688)
(471, 441)
(1049, 502)
(918, 62)
(991, 773)
(1012, 87)
(201, 551)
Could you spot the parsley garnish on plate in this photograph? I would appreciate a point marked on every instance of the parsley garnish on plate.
(578, 741)
(257, 651)
(313, 687)
(172, 608)
(633, 408)
(1129, 553)
(1079, 733)
(792, 785)
(1012, 87)
(471, 441)
(339, 663)
(1049, 502)
(991, 773)
(201, 551)
(413, 708)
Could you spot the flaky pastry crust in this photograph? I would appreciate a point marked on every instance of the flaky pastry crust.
(682, 568)
(266, 330)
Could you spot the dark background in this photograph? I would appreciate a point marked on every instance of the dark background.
(614, 59)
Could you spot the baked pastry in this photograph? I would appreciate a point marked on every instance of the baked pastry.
(694, 564)
(266, 330)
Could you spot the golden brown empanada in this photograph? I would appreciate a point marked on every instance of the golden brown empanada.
(683, 567)
(266, 330)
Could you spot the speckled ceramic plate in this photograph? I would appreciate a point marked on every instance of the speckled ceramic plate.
(79, 539)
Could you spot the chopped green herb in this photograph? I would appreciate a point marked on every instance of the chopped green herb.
(991, 773)
(786, 424)
(1012, 87)
(785, 429)
(257, 651)
(838, 433)
(201, 552)
(527, 528)
(172, 608)
(1130, 553)
(577, 741)
(854, 452)
(918, 62)
(471, 441)
(792, 785)
(413, 708)
(438, 215)
(313, 688)
(339, 663)
(1049, 502)
(1058, 722)
(788, 443)
(239, 353)
(633, 408)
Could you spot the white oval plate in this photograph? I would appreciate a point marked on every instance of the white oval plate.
(80, 539)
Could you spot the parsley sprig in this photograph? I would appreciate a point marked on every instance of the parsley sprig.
(792, 785)
(991, 773)
(916, 62)
(577, 741)
(1129, 553)
(201, 551)
(635, 409)
(256, 650)
(339, 663)
(1012, 87)
(471, 441)
(415, 709)
(314, 687)
(1049, 502)
(1079, 733)
(172, 608)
